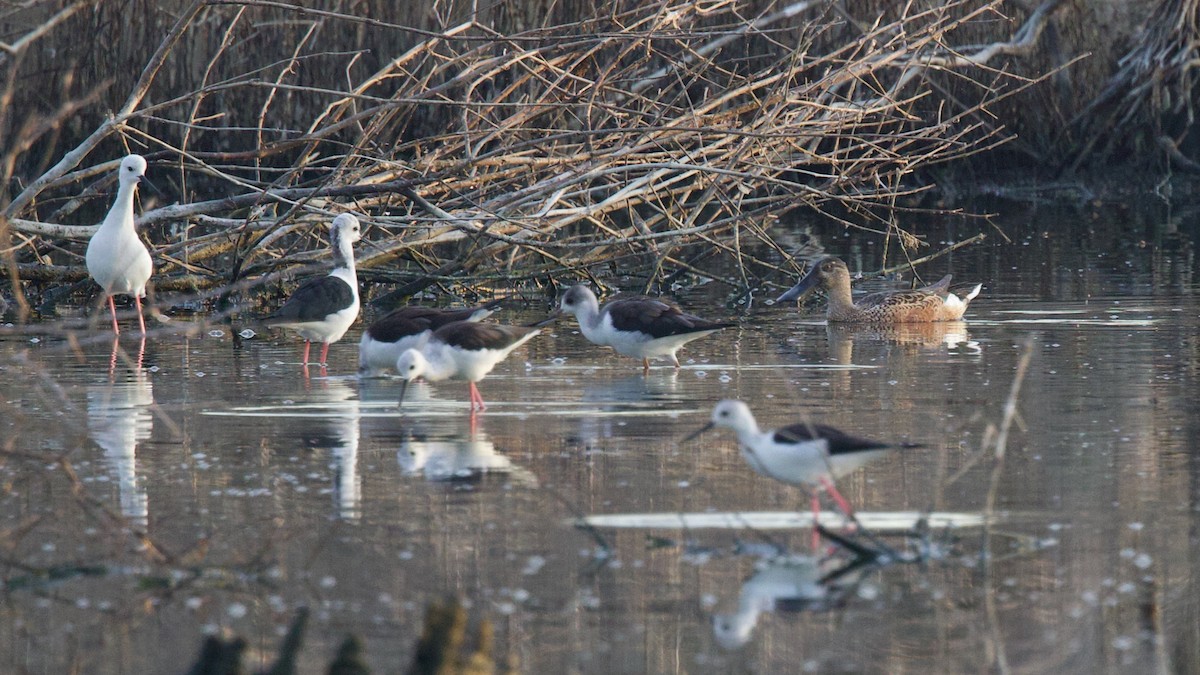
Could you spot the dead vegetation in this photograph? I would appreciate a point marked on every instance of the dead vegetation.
(645, 138)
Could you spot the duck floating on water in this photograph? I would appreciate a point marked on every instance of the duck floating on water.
(935, 302)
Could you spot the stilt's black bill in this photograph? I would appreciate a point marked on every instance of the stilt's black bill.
(696, 434)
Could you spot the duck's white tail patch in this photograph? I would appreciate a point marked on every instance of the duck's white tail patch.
(954, 302)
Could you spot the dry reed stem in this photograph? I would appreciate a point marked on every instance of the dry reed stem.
(633, 132)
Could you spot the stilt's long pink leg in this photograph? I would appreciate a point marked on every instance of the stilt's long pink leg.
(324, 353)
(141, 320)
(112, 307)
(816, 511)
(307, 344)
(476, 398)
(842, 503)
(645, 366)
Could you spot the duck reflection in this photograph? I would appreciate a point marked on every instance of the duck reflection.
(788, 583)
(462, 456)
(118, 418)
(950, 335)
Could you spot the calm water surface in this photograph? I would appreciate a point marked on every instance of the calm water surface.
(218, 490)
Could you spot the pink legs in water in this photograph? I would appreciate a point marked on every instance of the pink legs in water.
(116, 347)
(476, 400)
(324, 354)
(141, 319)
(842, 503)
(112, 307)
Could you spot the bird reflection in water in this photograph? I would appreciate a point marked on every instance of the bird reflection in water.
(952, 336)
(118, 418)
(334, 426)
(460, 456)
(790, 583)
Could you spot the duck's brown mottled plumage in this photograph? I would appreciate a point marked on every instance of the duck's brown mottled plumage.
(921, 305)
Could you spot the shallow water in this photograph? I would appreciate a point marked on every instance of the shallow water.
(260, 491)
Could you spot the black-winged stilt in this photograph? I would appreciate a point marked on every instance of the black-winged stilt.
(463, 350)
(116, 258)
(323, 309)
(407, 328)
(810, 456)
(640, 327)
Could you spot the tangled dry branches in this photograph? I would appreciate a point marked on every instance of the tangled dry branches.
(648, 136)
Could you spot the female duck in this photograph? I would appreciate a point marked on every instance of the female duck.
(920, 305)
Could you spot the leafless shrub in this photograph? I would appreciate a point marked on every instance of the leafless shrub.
(622, 138)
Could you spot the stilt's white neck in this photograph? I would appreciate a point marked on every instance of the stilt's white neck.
(343, 254)
(121, 213)
(589, 314)
(749, 435)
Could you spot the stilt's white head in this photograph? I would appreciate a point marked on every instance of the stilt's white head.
(133, 169)
(345, 228)
(411, 364)
(578, 299)
(735, 415)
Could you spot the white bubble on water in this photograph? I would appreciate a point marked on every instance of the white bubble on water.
(533, 565)
(236, 610)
